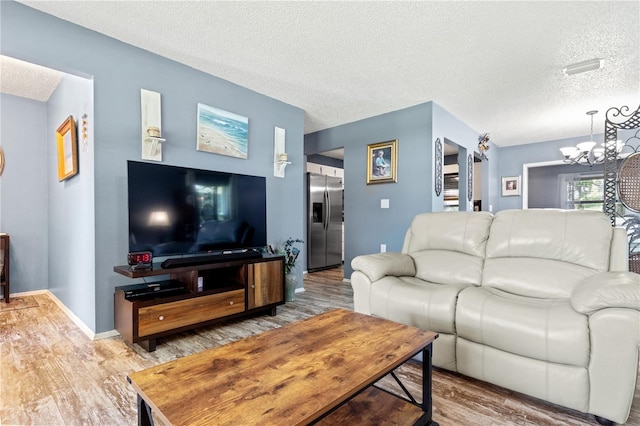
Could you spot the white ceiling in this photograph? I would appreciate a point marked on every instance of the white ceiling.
(27, 80)
(495, 65)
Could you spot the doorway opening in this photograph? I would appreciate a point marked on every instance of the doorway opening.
(325, 210)
(451, 177)
(454, 184)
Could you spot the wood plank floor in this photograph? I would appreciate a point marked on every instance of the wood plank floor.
(52, 374)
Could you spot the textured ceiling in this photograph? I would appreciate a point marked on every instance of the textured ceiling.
(494, 65)
(27, 80)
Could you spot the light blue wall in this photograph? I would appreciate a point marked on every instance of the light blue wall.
(71, 215)
(512, 159)
(23, 196)
(416, 128)
(448, 127)
(119, 71)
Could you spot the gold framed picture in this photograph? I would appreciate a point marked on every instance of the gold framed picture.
(67, 149)
(382, 162)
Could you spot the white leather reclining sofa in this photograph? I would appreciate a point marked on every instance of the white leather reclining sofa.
(537, 301)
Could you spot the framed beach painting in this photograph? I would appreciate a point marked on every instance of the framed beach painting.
(222, 132)
(382, 162)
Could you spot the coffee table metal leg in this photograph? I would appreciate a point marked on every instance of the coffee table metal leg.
(427, 406)
(144, 413)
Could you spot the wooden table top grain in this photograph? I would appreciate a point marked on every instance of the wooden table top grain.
(290, 375)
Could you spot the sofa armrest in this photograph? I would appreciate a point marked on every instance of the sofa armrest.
(607, 290)
(376, 266)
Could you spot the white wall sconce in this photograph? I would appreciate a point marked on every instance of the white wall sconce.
(152, 145)
(280, 157)
(151, 123)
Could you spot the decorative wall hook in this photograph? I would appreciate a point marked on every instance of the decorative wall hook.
(83, 132)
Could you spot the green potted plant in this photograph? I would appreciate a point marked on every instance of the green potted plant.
(290, 252)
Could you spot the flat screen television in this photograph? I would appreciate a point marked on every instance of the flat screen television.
(179, 210)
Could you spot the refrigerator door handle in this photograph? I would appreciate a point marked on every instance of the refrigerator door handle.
(327, 209)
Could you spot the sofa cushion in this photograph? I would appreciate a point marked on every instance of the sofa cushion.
(544, 329)
(562, 384)
(448, 267)
(546, 252)
(449, 247)
(533, 277)
(414, 302)
(464, 232)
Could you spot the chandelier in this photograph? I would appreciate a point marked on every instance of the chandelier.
(585, 153)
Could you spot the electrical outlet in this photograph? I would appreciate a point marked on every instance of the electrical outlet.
(383, 248)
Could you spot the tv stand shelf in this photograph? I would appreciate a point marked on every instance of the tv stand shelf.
(212, 292)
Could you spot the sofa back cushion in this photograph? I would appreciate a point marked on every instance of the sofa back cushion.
(544, 252)
(448, 247)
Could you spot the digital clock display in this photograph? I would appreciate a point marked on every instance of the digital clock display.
(140, 257)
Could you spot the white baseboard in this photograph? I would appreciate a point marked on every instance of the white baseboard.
(29, 293)
(77, 321)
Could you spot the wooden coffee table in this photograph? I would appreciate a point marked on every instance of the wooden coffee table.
(319, 370)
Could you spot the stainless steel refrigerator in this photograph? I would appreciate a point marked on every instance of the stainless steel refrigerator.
(324, 227)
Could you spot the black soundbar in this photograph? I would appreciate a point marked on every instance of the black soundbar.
(177, 262)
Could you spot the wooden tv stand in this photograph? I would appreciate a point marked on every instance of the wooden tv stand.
(212, 292)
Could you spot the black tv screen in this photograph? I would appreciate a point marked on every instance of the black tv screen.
(179, 210)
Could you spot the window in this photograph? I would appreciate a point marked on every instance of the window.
(588, 193)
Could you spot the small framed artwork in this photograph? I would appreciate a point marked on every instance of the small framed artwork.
(67, 149)
(382, 162)
(222, 132)
(510, 186)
